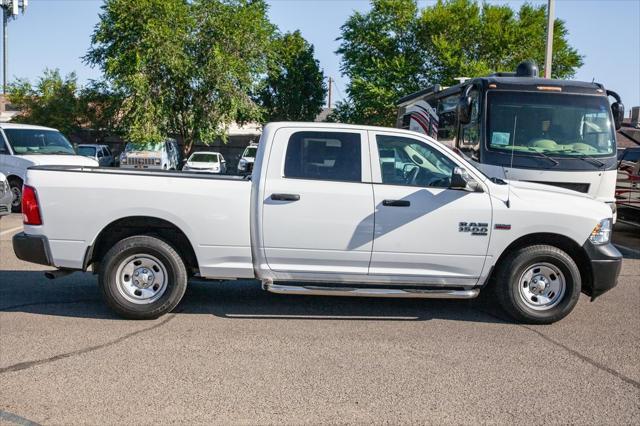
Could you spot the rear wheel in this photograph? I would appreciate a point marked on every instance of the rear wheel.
(538, 284)
(142, 277)
(16, 190)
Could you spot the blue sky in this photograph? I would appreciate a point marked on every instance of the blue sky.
(55, 34)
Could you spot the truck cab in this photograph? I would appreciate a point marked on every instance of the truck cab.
(521, 127)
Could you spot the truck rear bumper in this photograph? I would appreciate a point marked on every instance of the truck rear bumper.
(606, 262)
(32, 248)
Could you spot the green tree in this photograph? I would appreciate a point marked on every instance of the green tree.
(381, 57)
(51, 102)
(462, 38)
(294, 87)
(184, 67)
(99, 107)
(395, 49)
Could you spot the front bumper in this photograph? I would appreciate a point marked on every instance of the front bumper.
(606, 262)
(32, 248)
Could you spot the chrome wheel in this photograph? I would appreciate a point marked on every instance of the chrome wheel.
(542, 286)
(141, 279)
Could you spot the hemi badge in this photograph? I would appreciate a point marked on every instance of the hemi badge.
(503, 226)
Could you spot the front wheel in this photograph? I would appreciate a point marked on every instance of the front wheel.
(142, 277)
(538, 284)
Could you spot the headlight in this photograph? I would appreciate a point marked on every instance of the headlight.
(601, 234)
(157, 161)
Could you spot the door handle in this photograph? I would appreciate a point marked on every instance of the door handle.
(396, 203)
(285, 197)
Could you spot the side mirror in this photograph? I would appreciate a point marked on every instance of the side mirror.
(617, 109)
(463, 110)
(460, 180)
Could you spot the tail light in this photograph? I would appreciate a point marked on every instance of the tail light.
(30, 207)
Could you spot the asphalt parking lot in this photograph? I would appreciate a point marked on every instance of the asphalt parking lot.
(234, 354)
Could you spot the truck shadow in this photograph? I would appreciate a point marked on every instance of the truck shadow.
(77, 296)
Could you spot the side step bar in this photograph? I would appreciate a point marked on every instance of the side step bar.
(370, 292)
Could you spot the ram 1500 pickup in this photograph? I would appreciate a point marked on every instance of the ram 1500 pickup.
(330, 209)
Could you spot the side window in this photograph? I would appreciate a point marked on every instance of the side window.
(470, 133)
(3, 147)
(407, 161)
(324, 155)
(100, 152)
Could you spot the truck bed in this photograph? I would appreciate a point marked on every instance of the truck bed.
(212, 211)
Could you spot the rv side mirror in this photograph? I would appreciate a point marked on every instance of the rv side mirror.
(464, 109)
(617, 109)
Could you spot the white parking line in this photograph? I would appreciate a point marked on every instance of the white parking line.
(9, 231)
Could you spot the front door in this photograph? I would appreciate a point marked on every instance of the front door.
(318, 202)
(424, 230)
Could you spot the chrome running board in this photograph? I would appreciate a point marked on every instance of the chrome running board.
(371, 292)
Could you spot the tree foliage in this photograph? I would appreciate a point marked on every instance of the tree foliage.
(59, 102)
(395, 49)
(184, 67)
(462, 38)
(381, 57)
(294, 88)
(51, 102)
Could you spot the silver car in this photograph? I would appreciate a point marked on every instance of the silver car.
(101, 153)
(6, 196)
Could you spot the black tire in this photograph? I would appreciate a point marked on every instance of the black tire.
(508, 282)
(16, 188)
(118, 255)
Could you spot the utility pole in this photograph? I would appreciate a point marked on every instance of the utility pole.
(551, 12)
(10, 9)
(329, 97)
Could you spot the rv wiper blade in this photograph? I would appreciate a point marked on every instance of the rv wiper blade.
(590, 160)
(532, 154)
(545, 155)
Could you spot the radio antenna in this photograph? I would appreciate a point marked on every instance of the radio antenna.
(513, 146)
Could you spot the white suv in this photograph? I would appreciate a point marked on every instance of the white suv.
(23, 146)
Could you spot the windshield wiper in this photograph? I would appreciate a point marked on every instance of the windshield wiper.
(586, 158)
(535, 154)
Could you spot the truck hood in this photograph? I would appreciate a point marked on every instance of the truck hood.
(523, 187)
(546, 199)
(59, 160)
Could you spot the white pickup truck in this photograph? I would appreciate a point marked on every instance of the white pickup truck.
(330, 209)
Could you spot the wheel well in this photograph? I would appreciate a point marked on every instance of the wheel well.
(13, 178)
(562, 242)
(142, 225)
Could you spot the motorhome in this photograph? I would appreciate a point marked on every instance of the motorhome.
(518, 126)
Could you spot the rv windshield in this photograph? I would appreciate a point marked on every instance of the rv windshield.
(550, 124)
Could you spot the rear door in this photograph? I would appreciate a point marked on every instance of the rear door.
(318, 203)
(423, 229)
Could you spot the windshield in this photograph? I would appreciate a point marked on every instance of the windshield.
(551, 124)
(87, 151)
(204, 158)
(132, 147)
(250, 152)
(35, 141)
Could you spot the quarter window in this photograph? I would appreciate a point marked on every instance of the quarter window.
(324, 155)
(407, 161)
